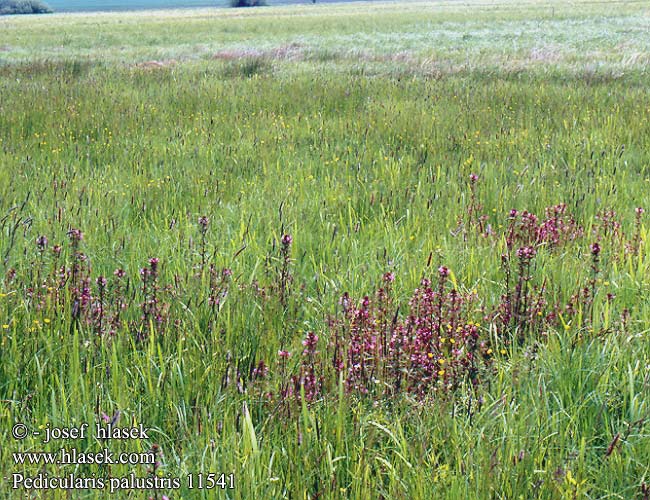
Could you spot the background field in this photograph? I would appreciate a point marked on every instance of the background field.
(354, 128)
(95, 6)
(432, 38)
(81, 6)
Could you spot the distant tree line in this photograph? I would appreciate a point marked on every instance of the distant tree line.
(247, 3)
(23, 7)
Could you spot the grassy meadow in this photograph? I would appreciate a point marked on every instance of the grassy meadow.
(372, 250)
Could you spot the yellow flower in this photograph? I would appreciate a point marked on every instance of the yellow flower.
(5, 326)
(46, 320)
(489, 351)
(430, 355)
(441, 372)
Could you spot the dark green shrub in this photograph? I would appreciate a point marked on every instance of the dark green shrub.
(247, 3)
(23, 7)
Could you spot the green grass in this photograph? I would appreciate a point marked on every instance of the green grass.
(355, 128)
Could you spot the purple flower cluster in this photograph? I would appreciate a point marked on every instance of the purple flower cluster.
(434, 348)
(557, 228)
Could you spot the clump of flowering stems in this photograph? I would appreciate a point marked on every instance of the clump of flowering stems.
(105, 314)
(218, 280)
(155, 312)
(525, 307)
(607, 230)
(607, 227)
(79, 278)
(522, 299)
(104, 304)
(304, 386)
(524, 228)
(432, 345)
(557, 228)
(96, 304)
(636, 240)
(303, 383)
(522, 307)
(41, 245)
(433, 349)
(278, 268)
(150, 291)
(307, 384)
